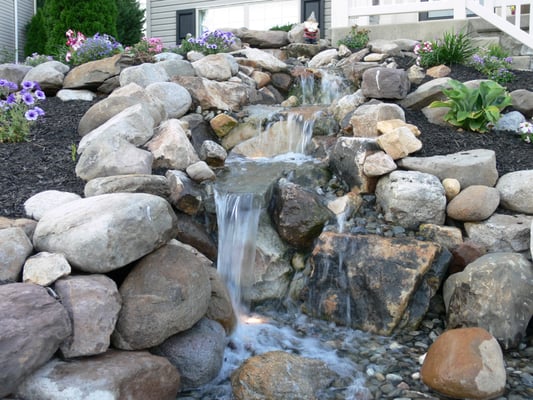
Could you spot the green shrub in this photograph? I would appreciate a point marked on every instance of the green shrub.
(130, 20)
(356, 39)
(285, 28)
(36, 34)
(7, 55)
(36, 59)
(451, 49)
(88, 16)
(475, 109)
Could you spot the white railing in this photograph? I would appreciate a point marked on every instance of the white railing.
(504, 14)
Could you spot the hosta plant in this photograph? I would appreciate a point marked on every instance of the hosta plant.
(474, 108)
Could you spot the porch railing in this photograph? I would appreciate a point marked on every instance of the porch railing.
(504, 14)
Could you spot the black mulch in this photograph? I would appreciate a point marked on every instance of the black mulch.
(45, 161)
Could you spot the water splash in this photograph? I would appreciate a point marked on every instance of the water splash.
(332, 87)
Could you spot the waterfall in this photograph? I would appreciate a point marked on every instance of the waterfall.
(238, 221)
(332, 87)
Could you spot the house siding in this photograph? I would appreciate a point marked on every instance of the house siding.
(7, 25)
(161, 15)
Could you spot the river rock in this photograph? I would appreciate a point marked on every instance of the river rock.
(226, 96)
(175, 98)
(45, 268)
(93, 303)
(475, 203)
(470, 167)
(144, 74)
(278, 375)
(15, 247)
(212, 153)
(127, 226)
(41, 202)
(469, 296)
(117, 102)
(185, 194)
(49, 75)
(134, 183)
(385, 83)
(134, 375)
(501, 232)
(73, 95)
(200, 172)
(384, 272)
(218, 67)
(516, 190)
(297, 213)
(522, 100)
(197, 353)
(171, 146)
(465, 363)
(113, 155)
(167, 292)
(409, 198)
(34, 324)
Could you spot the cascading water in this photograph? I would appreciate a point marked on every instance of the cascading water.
(239, 196)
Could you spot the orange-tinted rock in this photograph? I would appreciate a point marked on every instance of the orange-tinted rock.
(465, 363)
(463, 255)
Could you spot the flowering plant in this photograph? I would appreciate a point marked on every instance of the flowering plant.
(208, 43)
(36, 59)
(18, 109)
(526, 131)
(146, 49)
(493, 67)
(84, 49)
(424, 54)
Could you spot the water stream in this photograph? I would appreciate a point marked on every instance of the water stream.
(240, 193)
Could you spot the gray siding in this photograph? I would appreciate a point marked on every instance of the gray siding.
(162, 15)
(7, 25)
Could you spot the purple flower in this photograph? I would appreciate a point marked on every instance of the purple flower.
(31, 115)
(3, 82)
(28, 98)
(11, 99)
(12, 85)
(40, 94)
(28, 85)
(39, 110)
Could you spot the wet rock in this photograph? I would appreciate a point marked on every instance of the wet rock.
(297, 213)
(197, 353)
(465, 363)
(185, 194)
(464, 254)
(193, 232)
(447, 236)
(200, 172)
(278, 375)
(222, 124)
(348, 283)
(28, 342)
(220, 308)
(212, 153)
(469, 296)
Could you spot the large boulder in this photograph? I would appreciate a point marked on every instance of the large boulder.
(102, 233)
(114, 375)
(15, 247)
(167, 292)
(34, 324)
(516, 191)
(469, 296)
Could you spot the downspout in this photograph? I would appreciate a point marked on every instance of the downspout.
(16, 16)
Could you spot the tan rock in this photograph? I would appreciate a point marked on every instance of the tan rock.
(391, 124)
(261, 78)
(465, 363)
(222, 124)
(439, 71)
(399, 143)
(475, 203)
(452, 187)
(447, 236)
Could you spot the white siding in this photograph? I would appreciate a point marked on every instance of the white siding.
(7, 24)
(161, 15)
